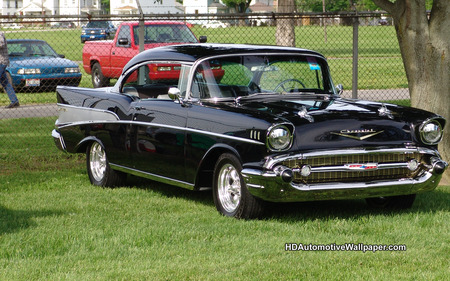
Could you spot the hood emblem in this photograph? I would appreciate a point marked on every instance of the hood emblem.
(362, 167)
(384, 111)
(357, 134)
(303, 113)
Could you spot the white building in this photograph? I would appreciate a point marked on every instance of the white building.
(80, 7)
(10, 7)
(39, 7)
(204, 7)
(125, 7)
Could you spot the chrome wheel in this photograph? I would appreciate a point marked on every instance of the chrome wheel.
(229, 188)
(231, 197)
(97, 162)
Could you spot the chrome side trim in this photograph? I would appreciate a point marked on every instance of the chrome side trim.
(72, 114)
(79, 123)
(151, 176)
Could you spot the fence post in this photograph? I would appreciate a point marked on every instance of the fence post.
(141, 28)
(355, 56)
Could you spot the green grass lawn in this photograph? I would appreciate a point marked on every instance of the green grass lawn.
(54, 225)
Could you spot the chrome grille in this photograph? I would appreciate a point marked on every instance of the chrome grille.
(331, 161)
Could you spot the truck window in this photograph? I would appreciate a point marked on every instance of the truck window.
(165, 33)
(124, 32)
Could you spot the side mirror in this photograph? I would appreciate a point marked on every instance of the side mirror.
(203, 39)
(340, 89)
(123, 41)
(175, 94)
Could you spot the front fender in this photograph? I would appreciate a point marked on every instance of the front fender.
(205, 169)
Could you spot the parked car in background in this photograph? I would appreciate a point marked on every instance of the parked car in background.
(97, 30)
(13, 26)
(64, 25)
(252, 123)
(105, 59)
(34, 64)
(215, 24)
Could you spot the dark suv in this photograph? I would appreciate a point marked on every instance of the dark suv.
(97, 30)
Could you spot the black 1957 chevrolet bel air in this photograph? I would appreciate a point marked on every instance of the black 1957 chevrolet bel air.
(255, 124)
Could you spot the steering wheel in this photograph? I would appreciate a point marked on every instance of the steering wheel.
(292, 85)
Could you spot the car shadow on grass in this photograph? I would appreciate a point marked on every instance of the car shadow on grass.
(170, 191)
(434, 201)
(15, 220)
(437, 200)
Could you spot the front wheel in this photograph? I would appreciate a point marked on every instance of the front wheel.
(392, 202)
(231, 196)
(99, 170)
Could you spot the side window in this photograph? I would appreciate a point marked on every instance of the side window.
(152, 80)
(124, 32)
(221, 79)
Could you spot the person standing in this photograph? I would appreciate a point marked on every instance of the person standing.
(4, 62)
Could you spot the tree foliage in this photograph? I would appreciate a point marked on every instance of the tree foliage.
(240, 6)
(341, 5)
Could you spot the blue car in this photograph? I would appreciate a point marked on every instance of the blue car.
(34, 64)
(98, 30)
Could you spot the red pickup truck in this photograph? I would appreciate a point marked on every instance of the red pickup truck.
(105, 59)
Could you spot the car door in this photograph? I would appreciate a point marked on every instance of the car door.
(157, 135)
(121, 53)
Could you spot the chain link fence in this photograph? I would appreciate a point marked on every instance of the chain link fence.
(361, 48)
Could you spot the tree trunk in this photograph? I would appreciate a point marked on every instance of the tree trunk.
(285, 34)
(425, 48)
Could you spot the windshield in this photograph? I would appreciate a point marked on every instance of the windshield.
(165, 33)
(30, 49)
(261, 74)
(97, 24)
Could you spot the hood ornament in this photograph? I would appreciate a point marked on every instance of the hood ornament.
(303, 113)
(362, 134)
(384, 111)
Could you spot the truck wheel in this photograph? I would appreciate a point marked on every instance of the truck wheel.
(99, 170)
(98, 80)
(231, 196)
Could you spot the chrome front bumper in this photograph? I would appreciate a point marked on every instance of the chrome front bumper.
(274, 182)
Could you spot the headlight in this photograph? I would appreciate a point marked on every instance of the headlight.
(279, 138)
(71, 70)
(431, 132)
(29, 71)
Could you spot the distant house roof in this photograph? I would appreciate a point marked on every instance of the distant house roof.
(261, 8)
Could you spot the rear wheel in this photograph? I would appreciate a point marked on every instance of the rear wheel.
(231, 196)
(99, 170)
(98, 80)
(392, 202)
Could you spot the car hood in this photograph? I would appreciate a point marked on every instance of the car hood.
(94, 29)
(325, 122)
(16, 62)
